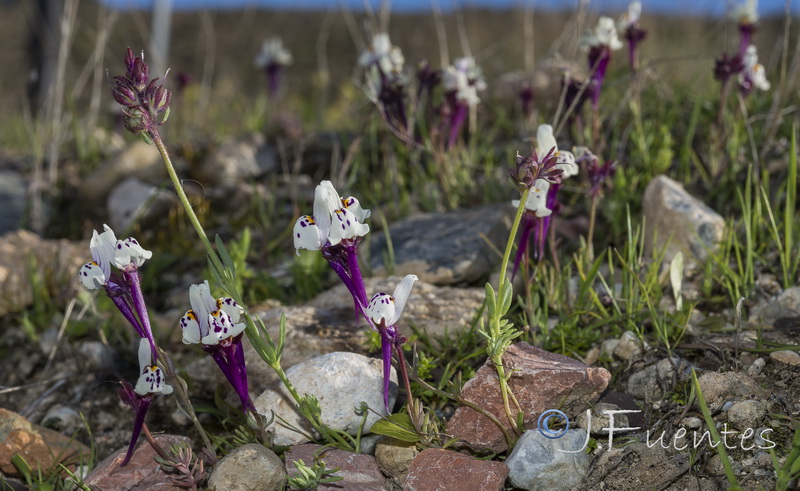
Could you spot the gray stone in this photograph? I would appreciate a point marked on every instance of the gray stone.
(134, 201)
(540, 463)
(786, 304)
(446, 248)
(63, 419)
(630, 347)
(340, 382)
(13, 199)
(692, 422)
(746, 414)
(251, 467)
(98, 356)
(719, 388)
(235, 161)
(672, 214)
(755, 368)
(394, 456)
(433, 309)
(56, 261)
(600, 421)
(139, 160)
(649, 384)
(787, 357)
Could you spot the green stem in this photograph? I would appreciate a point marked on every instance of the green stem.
(514, 226)
(176, 183)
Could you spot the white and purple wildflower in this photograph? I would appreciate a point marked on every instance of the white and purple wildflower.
(383, 312)
(551, 166)
(336, 229)
(272, 58)
(214, 323)
(599, 44)
(746, 16)
(633, 34)
(462, 81)
(151, 382)
(386, 81)
(122, 288)
(752, 74)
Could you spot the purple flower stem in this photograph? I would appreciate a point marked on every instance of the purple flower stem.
(125, 310)
(386, 354)
(355, 274)
(273, 71)
(141, 411)
(132, 277)
(456, 122)
(528, 223)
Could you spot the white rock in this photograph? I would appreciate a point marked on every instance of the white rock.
(133, 200)
(787, 357)
(251, 467)
(540, 463)
(630, 347)
(340, 382)
(673, 215)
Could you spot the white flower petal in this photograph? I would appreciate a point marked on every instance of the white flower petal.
(145, 355)
(129, 251)
(220, 327)
(381, 308)
(103, 247)
(91, 276)
(401, 296)
(230, 307)
(202, 305)
(307, 235)
(273, 52)
(354, 206)
(190, 328)
(545, 141)
(345, 226)
(326, 201)
(537, 199)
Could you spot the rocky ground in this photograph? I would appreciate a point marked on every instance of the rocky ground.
(60, 377)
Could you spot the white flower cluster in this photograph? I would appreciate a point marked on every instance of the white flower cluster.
(107, 250)
(465, 78)
(273, 53)
(604, 34)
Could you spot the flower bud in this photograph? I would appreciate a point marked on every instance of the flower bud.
(124, 93)
(135, 121)
(140, 74)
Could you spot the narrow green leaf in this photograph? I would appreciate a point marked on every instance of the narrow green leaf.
(396, 426)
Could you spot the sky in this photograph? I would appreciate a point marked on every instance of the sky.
(711, 7)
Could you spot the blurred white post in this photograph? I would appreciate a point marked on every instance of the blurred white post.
(159, 41)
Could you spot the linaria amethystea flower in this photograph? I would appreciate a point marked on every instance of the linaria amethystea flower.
(752, 74)
(214, 323)
(385, 80)
(145, 101)
(123, 287)
(599, 44)
(599, 174)
(745, 15)
(384, 311)
(633, 34)
(272, 58)
(553, 166)
(462, 81)
(336, 229)
(151, 382)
